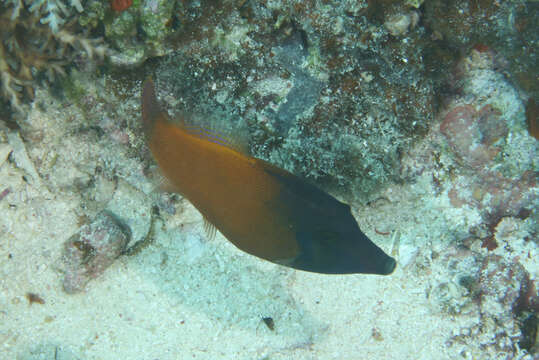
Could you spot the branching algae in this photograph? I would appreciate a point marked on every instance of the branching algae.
(263, 210)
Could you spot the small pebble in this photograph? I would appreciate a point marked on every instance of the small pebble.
(93, 249)
(399, 24)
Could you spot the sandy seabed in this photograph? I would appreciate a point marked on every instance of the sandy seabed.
(185, 296)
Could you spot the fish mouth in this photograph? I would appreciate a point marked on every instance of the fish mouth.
(389, 266)
(383, 265)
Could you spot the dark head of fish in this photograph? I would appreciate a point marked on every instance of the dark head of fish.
(336, 245)
(328, 236)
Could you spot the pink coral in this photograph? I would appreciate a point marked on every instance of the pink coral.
(472, 134)
(474, 137)
(93, 249)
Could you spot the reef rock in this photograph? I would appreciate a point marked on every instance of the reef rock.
(93, 249)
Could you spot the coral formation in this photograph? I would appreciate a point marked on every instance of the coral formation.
(488, 290)
(43, 37)
(33, 42)
(139, 31)
(52, 12)
(472, 133)
(121, 5)
(399, 24)
(506, 26)
(490, 141)
(342, 104)
(481, 160)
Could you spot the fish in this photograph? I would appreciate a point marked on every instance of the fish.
(262, 209)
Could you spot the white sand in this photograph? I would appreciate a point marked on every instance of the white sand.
(187, 297)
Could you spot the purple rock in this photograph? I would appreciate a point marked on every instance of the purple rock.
(93, 249)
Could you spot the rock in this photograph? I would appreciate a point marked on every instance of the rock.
(132, 208)
(93, 249)
(399, 24)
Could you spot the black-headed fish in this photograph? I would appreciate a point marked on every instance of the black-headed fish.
(262, 209)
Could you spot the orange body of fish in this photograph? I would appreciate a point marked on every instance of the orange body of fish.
(262, 209)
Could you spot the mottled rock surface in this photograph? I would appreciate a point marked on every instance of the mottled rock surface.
(93, 249)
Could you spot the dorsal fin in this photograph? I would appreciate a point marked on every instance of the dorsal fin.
(209, 229)
(151, 110)
(216, 136)
(209, 135)
(202, 128)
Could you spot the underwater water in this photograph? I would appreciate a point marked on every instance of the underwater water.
(269, 180)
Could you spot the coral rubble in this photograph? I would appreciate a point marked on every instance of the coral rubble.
(93, 249)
